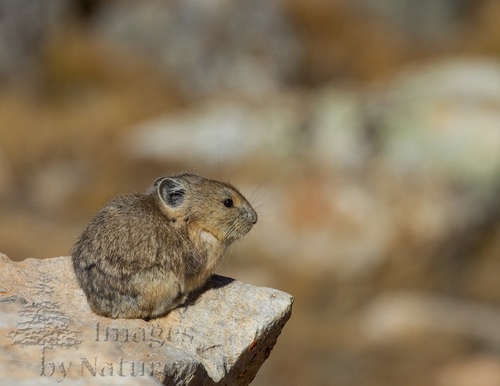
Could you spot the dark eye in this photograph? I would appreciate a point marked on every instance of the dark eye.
(228, 203)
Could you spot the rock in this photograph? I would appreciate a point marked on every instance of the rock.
(49, 333)
(245, 47)
(429, 21)
(226, 131)
(333, 216)
(443, 120)
(337, 125)
(394, 316)
(30, 25)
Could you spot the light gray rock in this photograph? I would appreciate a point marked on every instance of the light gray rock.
(442, 119)
(24, 27)
(337, 129)
(248, 47)
(222, 130)
(48, 333)
(395, 316)
(424, 21)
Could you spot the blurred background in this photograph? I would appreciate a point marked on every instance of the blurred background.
(366, 135)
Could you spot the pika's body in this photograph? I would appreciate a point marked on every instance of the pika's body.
(142, 254)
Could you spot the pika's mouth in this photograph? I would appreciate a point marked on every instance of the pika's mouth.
(237, 230)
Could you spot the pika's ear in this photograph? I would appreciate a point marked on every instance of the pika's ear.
(171, 191)
(157, 181)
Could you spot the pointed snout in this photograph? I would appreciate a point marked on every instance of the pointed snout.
(254, 217)
(251, 215)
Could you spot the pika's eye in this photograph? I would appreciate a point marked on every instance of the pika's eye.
(228, 203)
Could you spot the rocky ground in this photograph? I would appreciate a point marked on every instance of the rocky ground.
(221, 336)
(367, 139)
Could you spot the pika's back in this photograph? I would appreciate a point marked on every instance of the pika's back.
(140, 250)
(127, 232)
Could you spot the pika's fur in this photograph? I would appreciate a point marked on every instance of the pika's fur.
(143, 254)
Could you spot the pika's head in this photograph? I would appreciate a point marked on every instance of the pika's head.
(208, 208)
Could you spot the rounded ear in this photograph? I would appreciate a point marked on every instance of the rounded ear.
(171, 191)
(157, 181)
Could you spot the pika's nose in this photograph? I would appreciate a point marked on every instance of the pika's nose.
(254, 217)
(251, 215)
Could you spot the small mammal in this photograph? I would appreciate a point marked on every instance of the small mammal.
(143, 254)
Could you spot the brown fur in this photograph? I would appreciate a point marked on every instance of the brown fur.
(142, 254)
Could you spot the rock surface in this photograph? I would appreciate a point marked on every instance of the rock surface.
(209, 46)
(393, 316)
(49, 334)
(30, 25)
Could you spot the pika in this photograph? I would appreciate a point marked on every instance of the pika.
(143, 254)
